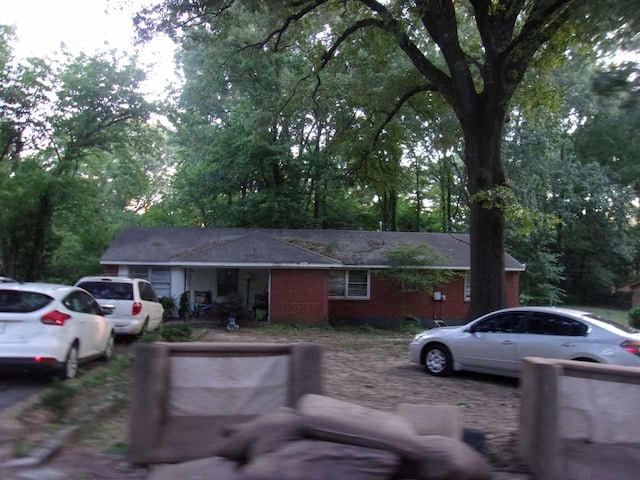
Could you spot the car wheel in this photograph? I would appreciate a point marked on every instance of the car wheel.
(438, 361)
(70, 367)
(109, 349)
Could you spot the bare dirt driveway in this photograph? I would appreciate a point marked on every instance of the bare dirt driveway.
(367, 367)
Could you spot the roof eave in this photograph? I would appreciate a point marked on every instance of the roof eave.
(290, 265)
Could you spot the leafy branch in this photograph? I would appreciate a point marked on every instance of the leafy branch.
(503, 198)
(410, 269)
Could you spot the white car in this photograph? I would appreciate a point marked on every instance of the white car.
(496, 343)
(137, 309)
(53, 327)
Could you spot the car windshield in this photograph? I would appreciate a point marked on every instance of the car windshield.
(12, 301)
(109, 290)
(612, 323)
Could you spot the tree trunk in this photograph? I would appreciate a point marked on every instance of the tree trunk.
(9, 255)
(418, 196)
(389, 205)
(483, 140)
(42, 228)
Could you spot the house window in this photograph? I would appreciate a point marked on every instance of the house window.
(160, 278)
(227, 281)
(351, 284)
(467, 287)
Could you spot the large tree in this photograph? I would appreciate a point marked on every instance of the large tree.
(473, 53)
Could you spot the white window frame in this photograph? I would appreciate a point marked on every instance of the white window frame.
(346, 295)
(467, 286)
(158, 277)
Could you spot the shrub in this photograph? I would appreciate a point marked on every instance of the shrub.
(172, 332)
(183, 308)
(634, 317)
(230, 305)
(411, 325)
(168, 304)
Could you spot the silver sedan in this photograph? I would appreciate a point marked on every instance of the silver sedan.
(496, 343)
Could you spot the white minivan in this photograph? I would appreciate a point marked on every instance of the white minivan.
(137, 309)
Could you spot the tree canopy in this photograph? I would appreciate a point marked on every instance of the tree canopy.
(77, 153)
(474, 55)
(494, 117)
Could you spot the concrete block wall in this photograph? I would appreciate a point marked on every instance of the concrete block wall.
(579, 420)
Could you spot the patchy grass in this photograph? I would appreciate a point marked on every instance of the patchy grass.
(410, 327)
(58, 398)
(23, 448)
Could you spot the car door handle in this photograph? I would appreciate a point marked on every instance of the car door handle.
(507, 342)
(569, 344)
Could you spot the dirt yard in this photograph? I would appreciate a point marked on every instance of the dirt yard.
(370, 368)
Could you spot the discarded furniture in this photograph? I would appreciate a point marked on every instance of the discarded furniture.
(186, 394)
(579, 420)
(329, 438)
(234, 411)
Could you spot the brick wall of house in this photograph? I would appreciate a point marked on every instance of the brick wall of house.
(299, 296)
(513, 289)
(386, 301)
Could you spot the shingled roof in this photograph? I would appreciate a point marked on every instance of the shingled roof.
(279, 247)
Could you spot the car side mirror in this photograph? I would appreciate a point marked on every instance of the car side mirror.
(107, 309)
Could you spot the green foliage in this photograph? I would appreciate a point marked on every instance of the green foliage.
(539, 284)
(168, 305)
(411, 325)
(591, 248)
(183, 305)
(634, 317)
(80, 163)
(232, 304)
(504, 198)
(176, 333)
(611, 134)
(170, 332)
(23, 448)
(408, 270)
(118, 448)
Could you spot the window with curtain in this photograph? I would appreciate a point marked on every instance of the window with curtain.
(160, 278)
(349, 284)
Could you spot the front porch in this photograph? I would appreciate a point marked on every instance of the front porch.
(205, 287)
(267, 294)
